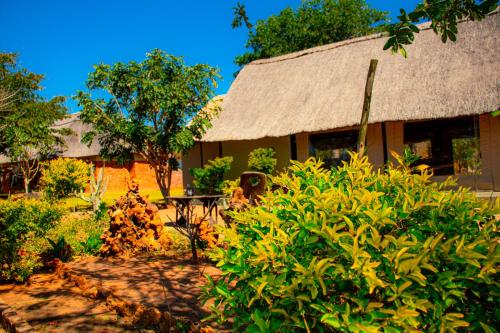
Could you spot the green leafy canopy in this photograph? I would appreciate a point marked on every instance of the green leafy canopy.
(152, 108)
(319, 22)
(26, 122)
(444, 16)
(313, 23)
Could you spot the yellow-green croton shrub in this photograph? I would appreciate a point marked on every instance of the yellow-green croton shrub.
(359, 250)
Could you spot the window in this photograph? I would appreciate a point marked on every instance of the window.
(449, 146)
(333, 148)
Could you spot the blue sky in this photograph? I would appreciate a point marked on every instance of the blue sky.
(62, 39)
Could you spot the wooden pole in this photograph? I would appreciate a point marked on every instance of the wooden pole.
(366, 107)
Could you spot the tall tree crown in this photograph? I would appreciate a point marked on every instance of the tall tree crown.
(148, 106)
(314, 23)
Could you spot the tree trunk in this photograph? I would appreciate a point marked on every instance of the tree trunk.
(193, 248)
(163, 174)
(169, 178)
(366, 107)
(25, 167)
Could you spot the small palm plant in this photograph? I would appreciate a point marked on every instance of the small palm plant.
(97, 189)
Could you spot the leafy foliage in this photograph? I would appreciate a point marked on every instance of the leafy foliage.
(64, 177)
(20, 222)
(240, 17)
(314, 23)
(26, 132)
(357, 250)
(92, 244)
(81, 230)
(467, 156)
(319, 22)
(263, 160)
(210, 178)
(59, 249)
(154, 108)
(228, 186)
(444, 17)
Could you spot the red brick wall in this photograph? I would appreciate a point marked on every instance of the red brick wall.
(145, 176)
(138, 170)
(118, 176)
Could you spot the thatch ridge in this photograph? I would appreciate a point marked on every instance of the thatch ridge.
(322, 88)
(73, 146)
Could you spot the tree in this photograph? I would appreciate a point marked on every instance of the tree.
(152, 108)
(65, 177)
(26, 133)
(6, 99)
(314, 23)
(444, 16)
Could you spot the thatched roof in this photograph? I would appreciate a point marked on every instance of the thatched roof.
(322, 88)
(74, 147)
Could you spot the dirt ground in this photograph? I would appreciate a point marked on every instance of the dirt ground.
(53, 305)
(170, 284)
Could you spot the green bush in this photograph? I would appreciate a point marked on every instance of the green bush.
(228, 187)
(357, 250)
(81, 231)
(92, 245)
(64, 177)
(59, 249)
(210, 178)
(263, 160)
(22, 224)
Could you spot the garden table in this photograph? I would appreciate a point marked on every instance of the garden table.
(183, 205)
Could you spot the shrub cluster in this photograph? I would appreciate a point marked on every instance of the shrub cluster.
(22, 222)
(64, 177)
(262, 160)
(357, 250)
(210, 178)
(82, 231)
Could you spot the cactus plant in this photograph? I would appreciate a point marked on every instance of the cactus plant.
(97, 188)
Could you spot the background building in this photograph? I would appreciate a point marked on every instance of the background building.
(438, 102)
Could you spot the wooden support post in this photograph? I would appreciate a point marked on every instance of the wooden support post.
(366, 107)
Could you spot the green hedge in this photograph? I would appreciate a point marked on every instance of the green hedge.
(263, 160)
(64, 177)
(357, 250)
(210, 178)
(22, 224)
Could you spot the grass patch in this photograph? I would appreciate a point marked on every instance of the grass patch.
(76, 227)
(75, 203)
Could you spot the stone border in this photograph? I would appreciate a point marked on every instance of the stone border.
(11, 321)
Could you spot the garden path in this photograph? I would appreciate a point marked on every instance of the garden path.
(168, 283)
(56, 306)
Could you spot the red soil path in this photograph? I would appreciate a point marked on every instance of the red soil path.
(50, 304)
(56, 306)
